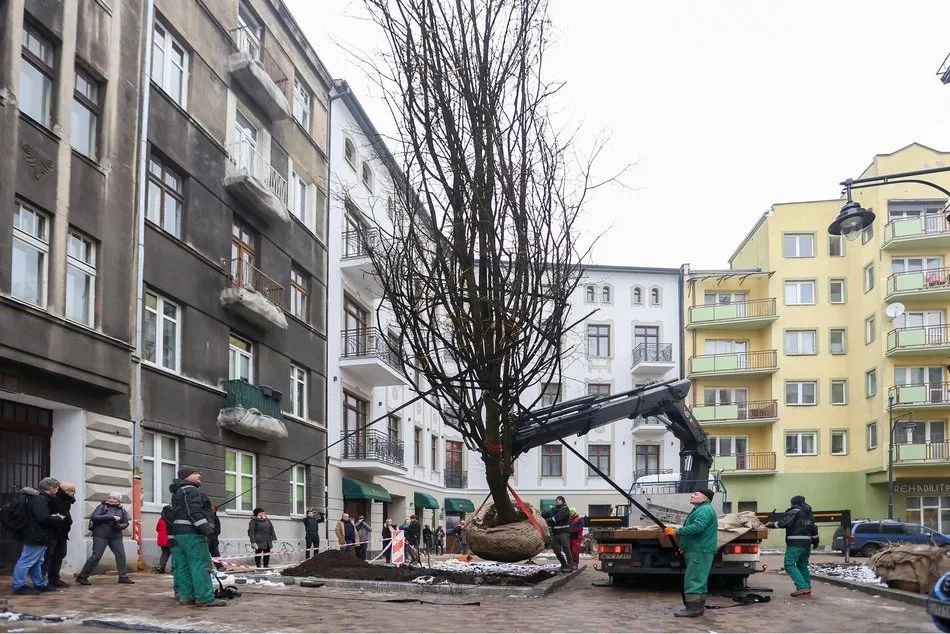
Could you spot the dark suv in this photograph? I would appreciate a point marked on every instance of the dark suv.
(867, 537)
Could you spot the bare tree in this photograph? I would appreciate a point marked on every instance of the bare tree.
(481, 255)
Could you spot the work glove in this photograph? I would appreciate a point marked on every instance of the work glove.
(254, 546)
(206, 529)
(669, 531)
(814, 542)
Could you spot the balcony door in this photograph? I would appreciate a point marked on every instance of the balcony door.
(354, 230)
(725, 346)
(250, 32)
(246, 137)
(453, 462)
(356, 327)
(738, 396)
(931, 213)
(649, 336)
(925, 318)
(929, 376)
(355, 410)
(243, 254)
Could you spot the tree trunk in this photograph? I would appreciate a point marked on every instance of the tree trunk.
(497, 478)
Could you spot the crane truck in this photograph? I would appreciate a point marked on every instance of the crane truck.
(624, 550)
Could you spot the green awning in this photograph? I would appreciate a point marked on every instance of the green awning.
(425, 501)
(359, 490)
(459, 505)
(546, 505)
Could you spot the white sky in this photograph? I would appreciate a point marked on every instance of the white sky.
(724, 106)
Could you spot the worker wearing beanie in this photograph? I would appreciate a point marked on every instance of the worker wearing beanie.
(697, 539)
(192, 524)
(801, 535)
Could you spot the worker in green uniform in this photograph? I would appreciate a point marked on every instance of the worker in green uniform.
(697, 540)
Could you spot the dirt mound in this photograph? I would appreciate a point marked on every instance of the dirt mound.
(322, 564)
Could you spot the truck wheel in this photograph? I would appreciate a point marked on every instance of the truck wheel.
(870, 549)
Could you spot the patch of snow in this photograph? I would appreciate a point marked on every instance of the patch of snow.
(858, 573)
(425, 580)
(493, 567)
(265, 582)
(10, 616)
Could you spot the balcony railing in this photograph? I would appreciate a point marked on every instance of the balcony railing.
(653, 353)
(456, 479)
(357, 242)
(925, 280)
(922, 452)
(751, 309)
(756, 461)
(243, 274)
(374, 445)
(240, 393)
(737, 361)
(244, 158)
(247, 42)
(918, 338)
(921, 394)
(746, 411)
(367, 343)
(926, 225)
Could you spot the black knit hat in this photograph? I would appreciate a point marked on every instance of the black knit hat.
(184, 472)
(707, 492)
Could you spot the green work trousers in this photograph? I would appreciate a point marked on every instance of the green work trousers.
(191, 570)
(796, 565)
(698, 566)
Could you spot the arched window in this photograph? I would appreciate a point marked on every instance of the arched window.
(590, 294)
(367, 176)
(654, 296)
(349, 152)
(605, 295)
(637, 295)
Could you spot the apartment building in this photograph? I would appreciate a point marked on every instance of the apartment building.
(803, 376)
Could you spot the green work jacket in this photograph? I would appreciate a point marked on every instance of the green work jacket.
(698, 534)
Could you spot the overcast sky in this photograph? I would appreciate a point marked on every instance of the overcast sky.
(724, 107)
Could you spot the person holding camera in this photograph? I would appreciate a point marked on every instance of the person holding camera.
(107, 523)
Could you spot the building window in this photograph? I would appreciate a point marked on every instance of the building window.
(551, 461)
(801, 392)
(550, 393)
(839, 392)
(84, 128)
(159, 467)
(453, 464)
(655, 297)
(590, 294)
(870, 383)
(434, 452)
(298, 489)
(869, 330)
(355, 411)
(239, 480)
(367, 175)
(836, 291)
(930, 511)
(637, 296)
(646, 460)
(36, 77)
(800, 293)
(243, 254)
(801, 443)
(170, 65)
(303, 104)
(599, 455)
(838, 341)
(598, 389)
(799, 342)
(417, 445)
(349, 152)
(165, 197)
(836, 246)
(867, 234)
(240, 359)
(29, 271)
(598, 341)
(869, 277)
(798, 245)
(300, 207)
(872, 436)
(299, 292)
(839, 442)
(80, 279)
(605, 295)
(160, 332)
(298, 391)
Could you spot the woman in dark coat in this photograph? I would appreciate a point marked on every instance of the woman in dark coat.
(261, 532)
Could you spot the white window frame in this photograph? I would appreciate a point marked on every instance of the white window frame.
(160, 319)
(349, 152)
(869, 277)
(796, 286)
(600, 354)
(606, 294)
(610, 459)
(843, 290)
(37, 53)
(800, 393)
(844, 392)
(298, 489)
(235, 352)
(83, 264)
(303, 104)
(870, 436)
(799, 239)
(799, 435)
(160, 191)
(167, 42)
(870, 330)
(636, 296)
(844, 442)
(844, 341)
(299, 299)
(795, 341)
(550, 394)
(590, 294)
(37, 239)
(88, 100)
(300, 199)
(656, 296)
(238, 503)
(841, 248)
(367, 177)
(159, 488)
(870, 383)
(299, 377)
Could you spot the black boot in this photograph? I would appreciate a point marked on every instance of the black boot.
(695, 606)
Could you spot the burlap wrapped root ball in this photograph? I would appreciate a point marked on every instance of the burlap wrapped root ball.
(507, 542)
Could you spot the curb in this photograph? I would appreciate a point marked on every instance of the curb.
(902, 596)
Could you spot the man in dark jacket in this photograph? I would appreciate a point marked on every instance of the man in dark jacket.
(35, 538)
(311, 529)
(59, 504)
(107, 522)
(413, 535)
(193, 523)
(559, 519)
(801, 534)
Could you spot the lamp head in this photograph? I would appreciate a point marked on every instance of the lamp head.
(852, 220)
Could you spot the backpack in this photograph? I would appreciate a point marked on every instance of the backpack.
(15, 514)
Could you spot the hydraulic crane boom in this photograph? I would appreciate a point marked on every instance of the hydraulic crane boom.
(665, 401)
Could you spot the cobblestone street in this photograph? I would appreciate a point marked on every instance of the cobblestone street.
(577, 607)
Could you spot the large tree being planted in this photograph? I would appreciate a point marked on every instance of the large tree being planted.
(480, 259)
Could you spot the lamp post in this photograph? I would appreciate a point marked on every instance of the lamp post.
(890, 452)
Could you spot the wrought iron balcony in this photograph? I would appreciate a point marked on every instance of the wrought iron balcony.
(652, 359)
(259, 73)
(358, 242)
(456, 479)
(755, 461)
(374, 445)
(367, 343)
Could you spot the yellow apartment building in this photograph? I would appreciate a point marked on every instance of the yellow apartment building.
(801, 370)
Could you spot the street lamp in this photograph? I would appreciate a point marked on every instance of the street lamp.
(890, 452)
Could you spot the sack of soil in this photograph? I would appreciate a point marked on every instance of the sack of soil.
(911, 567)
(508, 542)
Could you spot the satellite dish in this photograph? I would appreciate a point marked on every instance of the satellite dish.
(894, 310)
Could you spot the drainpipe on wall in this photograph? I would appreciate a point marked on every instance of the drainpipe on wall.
(137, 404)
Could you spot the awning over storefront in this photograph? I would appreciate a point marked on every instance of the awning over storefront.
(425, 501)
(459, 505)
(546, 505)
(359, 490)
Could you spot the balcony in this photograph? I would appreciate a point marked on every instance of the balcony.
(921, 285)
(355, 263)
(920, 396)
(919, 340)
(259, 74)
(253, 296)
(923, 453)
(374, 452)
(367, 358)
(252, 410)
(745, 463)
(749, 413)
(759, 362)
(251, 178)
(645, 424)
(931, 231)
(652, 359)
(456, 479)
(751, 315)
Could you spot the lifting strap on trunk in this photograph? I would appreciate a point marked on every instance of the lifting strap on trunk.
(527, 511)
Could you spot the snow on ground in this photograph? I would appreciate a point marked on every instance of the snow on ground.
(10, 616)
(858, 573)
(493, 567)
(263, 582)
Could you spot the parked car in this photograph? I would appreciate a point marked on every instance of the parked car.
(867, 537)
(938, 603)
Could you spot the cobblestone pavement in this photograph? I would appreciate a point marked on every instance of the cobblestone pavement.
(577, 607)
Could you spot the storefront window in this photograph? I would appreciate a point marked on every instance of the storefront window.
(931, 511)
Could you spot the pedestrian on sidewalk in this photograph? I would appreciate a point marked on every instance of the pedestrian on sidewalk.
(577, 536)
(35, 507)
(59, 504)
(164, 538)
(461, 538)
(260, 530)
(311, 529)
(346, 534)
(559, 520)
(439, 538)
(107, 523)
(698, 541)
(388, 529)
(192, 524)
(801, 535)
(364, 532)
